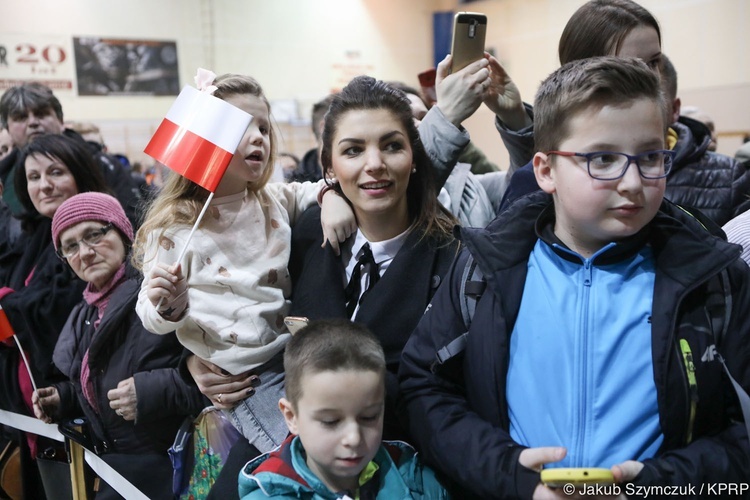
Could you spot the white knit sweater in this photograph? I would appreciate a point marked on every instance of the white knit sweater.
(236, 269)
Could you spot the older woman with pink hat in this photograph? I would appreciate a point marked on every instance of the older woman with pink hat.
(122, 377)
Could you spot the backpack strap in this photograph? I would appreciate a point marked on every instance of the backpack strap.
(473, 285)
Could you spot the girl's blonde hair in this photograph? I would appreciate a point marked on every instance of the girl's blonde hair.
(180, 200)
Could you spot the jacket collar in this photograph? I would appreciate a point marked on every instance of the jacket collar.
(679, 239)
(693, 138)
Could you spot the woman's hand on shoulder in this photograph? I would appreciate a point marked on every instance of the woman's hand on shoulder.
(221, 387)
(337, 220)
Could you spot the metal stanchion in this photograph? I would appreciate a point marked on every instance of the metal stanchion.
(77, 463)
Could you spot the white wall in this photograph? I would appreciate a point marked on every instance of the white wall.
(300, 49)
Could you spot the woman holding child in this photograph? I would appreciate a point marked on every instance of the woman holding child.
(390, 268)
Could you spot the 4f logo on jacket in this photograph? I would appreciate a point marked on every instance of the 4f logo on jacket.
(710, 353)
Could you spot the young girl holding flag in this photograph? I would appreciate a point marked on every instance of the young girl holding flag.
(227, 297)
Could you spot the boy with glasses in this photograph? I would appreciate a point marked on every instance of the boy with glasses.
(598, 338)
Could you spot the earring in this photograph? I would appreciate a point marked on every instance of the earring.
(414, 170)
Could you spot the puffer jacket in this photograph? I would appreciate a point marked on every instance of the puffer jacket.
(716, 184)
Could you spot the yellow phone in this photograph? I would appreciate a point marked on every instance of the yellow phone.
(469, 31)
(559, 477)
(295, 323)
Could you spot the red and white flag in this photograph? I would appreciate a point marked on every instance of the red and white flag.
(6, 330)
(198, 137)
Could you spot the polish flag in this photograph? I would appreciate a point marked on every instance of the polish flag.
(6, 330)
(198, 137)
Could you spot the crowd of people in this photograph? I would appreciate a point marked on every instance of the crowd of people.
(466, 326)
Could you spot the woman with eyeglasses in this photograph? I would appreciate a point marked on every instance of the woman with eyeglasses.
(123, 378)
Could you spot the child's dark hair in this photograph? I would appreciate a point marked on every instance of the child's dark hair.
(587, 83)
(329, 345)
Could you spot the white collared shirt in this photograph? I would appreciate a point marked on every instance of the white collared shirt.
(383, 253)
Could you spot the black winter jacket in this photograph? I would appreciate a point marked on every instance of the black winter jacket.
(46, 290)
(119, 349)
(716, 184)
(458, 412)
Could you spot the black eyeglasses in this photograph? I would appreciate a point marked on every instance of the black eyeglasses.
(91, 239)
(611, 165)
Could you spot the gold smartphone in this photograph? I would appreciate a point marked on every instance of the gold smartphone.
(469, 30)
(295, 323)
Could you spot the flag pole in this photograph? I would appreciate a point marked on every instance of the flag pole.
(190, 236)
(25, 361)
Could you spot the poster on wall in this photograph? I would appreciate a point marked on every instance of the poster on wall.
(352, 63)
(47, 59)
(108, 66)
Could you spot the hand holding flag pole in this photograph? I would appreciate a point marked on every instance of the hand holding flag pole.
(198, 138)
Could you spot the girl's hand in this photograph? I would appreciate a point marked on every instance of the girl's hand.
(504, 98)
(124, 400)
(337, 218)
(167, 290)
(221, 387)
(45, 402)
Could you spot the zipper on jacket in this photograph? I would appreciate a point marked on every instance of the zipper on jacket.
(687, 357)
(579, 446)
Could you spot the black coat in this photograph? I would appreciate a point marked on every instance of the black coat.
(119, 349)
(391, 310)
(458, 410)
(37, 311)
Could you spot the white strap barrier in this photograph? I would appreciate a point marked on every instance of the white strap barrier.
(113, 478)
(32, 425)
(99, 466)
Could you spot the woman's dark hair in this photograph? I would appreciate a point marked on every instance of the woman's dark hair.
(598, 28)
(366, 93)
(72, 153)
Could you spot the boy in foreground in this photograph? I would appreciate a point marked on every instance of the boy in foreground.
(335, 392)
(597, 340)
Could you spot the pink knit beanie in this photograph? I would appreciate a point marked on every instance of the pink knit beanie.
(87, 207)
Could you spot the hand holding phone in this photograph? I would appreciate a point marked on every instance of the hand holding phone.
(469, 30)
